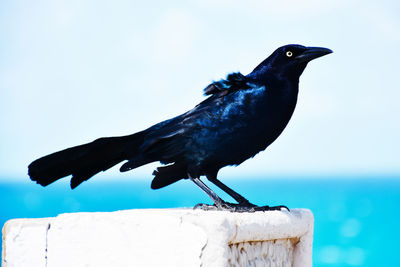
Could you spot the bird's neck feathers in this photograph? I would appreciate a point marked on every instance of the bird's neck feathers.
(269, 76)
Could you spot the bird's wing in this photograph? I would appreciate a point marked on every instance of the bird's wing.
(227, 99)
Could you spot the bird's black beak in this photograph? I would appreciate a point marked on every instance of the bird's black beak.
(312, 53)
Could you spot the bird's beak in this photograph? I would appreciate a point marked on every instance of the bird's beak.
(313, 53)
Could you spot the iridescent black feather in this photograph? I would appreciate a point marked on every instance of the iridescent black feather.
(234, 81)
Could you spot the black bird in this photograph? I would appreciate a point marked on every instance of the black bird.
(242, 116)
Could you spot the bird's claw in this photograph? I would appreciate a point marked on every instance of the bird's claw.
(203, 206)
(268, 208)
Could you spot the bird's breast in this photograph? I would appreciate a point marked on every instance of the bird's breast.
(277, 112)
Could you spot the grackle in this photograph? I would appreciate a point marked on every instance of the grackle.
(242, 116)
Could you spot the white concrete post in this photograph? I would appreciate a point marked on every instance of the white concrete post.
(155, 237)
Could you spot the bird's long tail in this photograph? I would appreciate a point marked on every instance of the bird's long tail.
(86, 160)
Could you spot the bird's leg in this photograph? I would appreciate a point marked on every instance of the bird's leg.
(218, 202)
(236, 196)
(243, 203)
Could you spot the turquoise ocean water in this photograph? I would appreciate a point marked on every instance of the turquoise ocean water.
(356, 218)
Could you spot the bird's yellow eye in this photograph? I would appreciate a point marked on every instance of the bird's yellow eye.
(289, 53)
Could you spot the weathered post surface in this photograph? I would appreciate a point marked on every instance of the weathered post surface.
(161, 237)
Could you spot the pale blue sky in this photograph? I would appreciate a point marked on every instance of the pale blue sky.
(73, 71)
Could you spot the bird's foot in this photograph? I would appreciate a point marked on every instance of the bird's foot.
(267, 208)
(204, 206)
(225, 206)
(244, 206)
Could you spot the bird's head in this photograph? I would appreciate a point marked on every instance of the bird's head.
(290, 60)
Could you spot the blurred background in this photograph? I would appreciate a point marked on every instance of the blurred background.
(73, 71)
